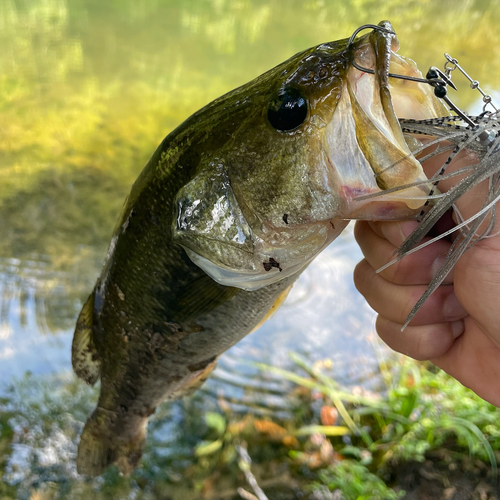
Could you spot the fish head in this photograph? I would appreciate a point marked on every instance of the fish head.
(303, 143)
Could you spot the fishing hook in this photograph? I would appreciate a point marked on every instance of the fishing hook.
(439, 80)
(430, 81)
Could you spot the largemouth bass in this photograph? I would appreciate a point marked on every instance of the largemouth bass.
(230, 209)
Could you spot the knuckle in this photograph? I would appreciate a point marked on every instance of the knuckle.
(382, 325)
(413, 295)
(402, 272)
(394, 273)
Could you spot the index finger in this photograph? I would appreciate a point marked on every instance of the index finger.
(471, 201)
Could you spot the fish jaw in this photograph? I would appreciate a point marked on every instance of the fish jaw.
(364, 142)
(227, 249)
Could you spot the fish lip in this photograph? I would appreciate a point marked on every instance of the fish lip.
(389, 42)
(381, 44)
(381, 158)
(192, 246)
(253, 277)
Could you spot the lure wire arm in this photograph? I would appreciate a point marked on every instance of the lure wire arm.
(435, 81)
(439, 80)
(474, 84)
(395, 75)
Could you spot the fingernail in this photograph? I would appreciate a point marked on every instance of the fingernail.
(457, 328)
(407, 227)
(397, 232)
(436, 266)
(452, 308)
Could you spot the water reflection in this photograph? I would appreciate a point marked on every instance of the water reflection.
(87, 91)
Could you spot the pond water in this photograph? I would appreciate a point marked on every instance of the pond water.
(88, 89)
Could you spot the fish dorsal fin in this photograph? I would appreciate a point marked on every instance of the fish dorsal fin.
(84, 356)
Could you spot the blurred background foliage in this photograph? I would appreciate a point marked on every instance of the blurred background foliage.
(88, 89)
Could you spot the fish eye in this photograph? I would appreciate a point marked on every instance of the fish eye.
(287, 110)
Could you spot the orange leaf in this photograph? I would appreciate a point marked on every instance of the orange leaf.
(329, 415)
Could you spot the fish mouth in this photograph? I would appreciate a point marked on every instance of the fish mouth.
(227, 249)
(364, 141)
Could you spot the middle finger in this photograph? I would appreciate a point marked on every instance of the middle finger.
(395, 302)
(377, 241)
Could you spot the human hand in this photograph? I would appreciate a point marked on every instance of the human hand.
(458, 327)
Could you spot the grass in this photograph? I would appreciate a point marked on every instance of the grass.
(357, 438)
(419, 410)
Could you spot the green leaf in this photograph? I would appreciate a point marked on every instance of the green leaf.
(229, 454)
(327, 430)
(408, 404)
(216, 421)
(207, 448)
(352, 451)
(480, 436)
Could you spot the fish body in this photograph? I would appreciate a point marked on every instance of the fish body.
(230, 209)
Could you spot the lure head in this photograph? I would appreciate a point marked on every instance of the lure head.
(301, 143)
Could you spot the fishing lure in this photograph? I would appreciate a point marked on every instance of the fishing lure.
(480, 134)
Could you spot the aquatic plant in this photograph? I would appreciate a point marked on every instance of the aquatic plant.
(421, 409)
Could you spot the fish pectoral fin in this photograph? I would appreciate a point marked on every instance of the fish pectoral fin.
(277, 304)
(199, 374)
(201, 296)
(84, 356)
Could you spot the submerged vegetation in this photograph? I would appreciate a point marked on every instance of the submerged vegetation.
(350, 441)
